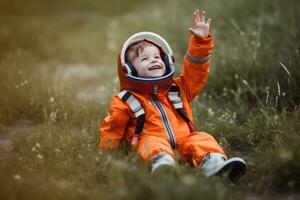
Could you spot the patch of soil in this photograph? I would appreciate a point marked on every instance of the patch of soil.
(7, 144)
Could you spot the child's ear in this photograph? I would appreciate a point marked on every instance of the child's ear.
(129, 69)
(166, 60)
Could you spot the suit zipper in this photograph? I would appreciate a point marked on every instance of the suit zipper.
(166, 122)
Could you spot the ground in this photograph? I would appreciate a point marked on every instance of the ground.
(58, 74)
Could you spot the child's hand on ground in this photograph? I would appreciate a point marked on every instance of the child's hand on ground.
(199, 27)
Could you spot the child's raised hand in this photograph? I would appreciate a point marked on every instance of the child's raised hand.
(199, 27)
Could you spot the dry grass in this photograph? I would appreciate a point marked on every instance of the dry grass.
(58, 74)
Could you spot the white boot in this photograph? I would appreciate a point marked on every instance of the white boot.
(216, 164)
(162, 159)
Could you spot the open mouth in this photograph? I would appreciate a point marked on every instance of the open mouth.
(154, 67)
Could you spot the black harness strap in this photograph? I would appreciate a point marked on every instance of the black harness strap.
(176, 99)
(138, 111)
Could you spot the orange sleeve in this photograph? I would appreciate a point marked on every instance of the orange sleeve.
(196, 66)
(114, 125)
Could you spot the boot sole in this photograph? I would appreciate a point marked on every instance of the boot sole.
(233, 170)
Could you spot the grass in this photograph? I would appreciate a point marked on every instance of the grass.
(58, 73)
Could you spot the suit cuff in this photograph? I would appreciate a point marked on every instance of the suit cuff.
(200, 47)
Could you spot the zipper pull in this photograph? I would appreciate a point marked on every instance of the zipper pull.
(134, 139)
(155, 89)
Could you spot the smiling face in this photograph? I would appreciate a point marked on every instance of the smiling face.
(147, 61)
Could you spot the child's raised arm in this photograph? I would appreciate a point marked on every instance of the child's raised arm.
(196, 62)
(199, 27)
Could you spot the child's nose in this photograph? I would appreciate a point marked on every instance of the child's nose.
(153, 60)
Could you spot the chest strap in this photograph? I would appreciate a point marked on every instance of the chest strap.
(176, 99)
(138, 111)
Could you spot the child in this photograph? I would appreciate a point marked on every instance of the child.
(153, 111)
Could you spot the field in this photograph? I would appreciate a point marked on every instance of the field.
(58, 74)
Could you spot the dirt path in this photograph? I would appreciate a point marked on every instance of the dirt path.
(7, 144)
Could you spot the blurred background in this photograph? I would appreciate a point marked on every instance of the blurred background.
(58, 73)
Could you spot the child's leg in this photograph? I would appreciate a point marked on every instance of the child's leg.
(202, 148)
(155, 151)
(197, 145)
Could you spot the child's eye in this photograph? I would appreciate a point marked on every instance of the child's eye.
(157, 57)
(143, 59)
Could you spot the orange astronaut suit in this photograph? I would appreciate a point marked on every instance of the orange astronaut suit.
(164, 129)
